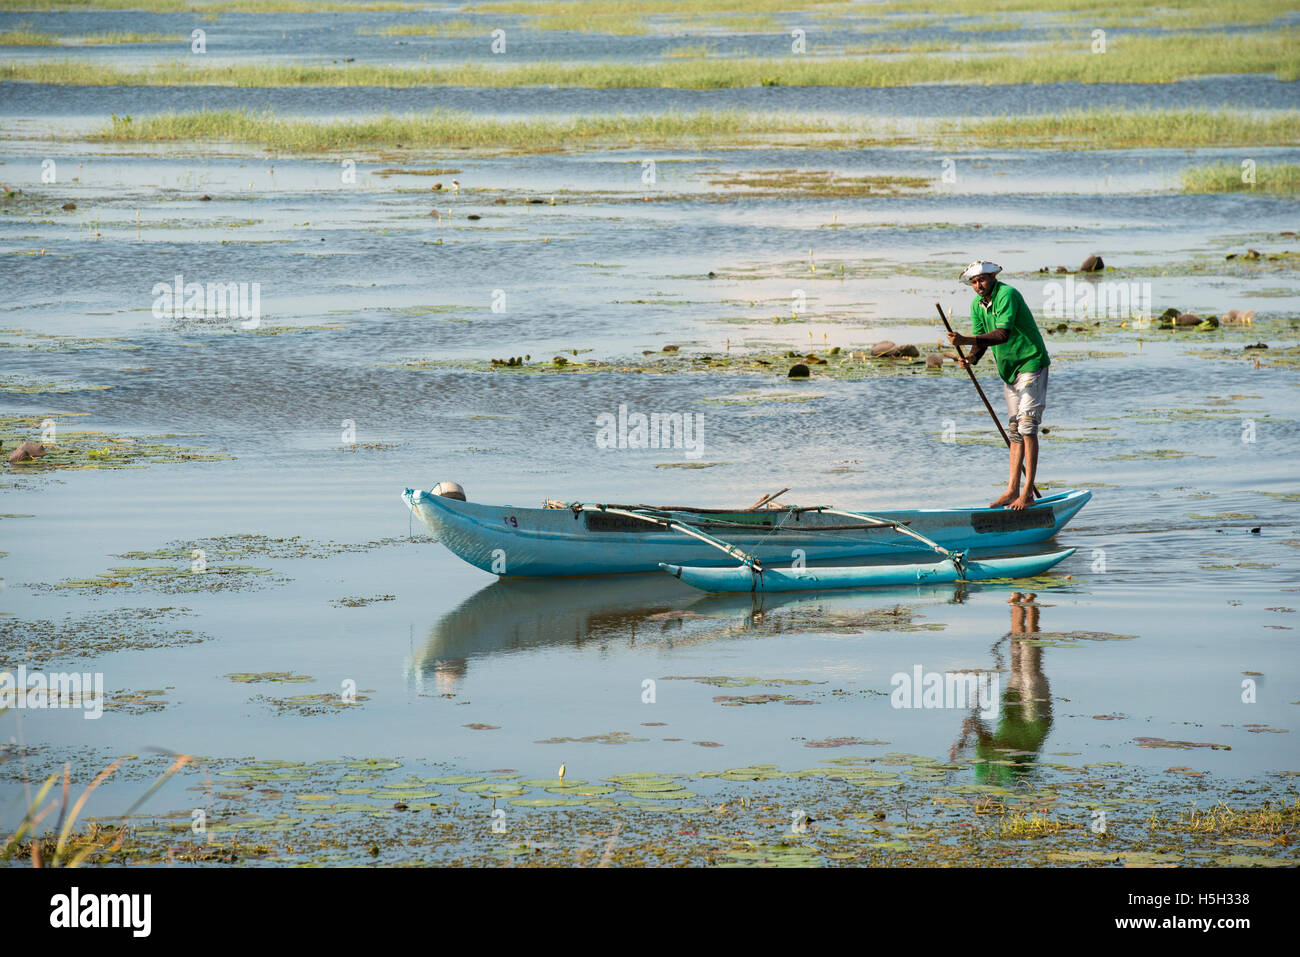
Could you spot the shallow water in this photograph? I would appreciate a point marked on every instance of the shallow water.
(1178, 599)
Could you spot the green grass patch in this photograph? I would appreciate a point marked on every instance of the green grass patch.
(1109, 129)
(24, 36)
(1283, 178)
(441, 127)
(217, 6)
(1129, 59)
(1095, 129)
(126, 36)
(447, 28)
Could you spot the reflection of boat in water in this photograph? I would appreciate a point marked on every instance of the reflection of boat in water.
(513, 615)
(523, 615)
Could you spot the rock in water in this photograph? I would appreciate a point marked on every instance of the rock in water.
(1092, 264)
(885, 348)
(68, 207)
(1188, 319)
(26, 452)
(798, 371)
(907, 352)
(934, 361)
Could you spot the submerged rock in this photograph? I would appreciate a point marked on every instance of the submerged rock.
(891, 350)
(798, 371)
(934, 360)
(1092, 264)
(1257, 345)
(26, 452)
(67, 207)
(205, 198)
(1188, 319)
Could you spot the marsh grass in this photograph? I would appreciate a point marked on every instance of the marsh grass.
(629, 15)
(1172, 13)
(24, 36)
(792, 183)
(1130, 59)
(68, 849)
(1105, 129)
(1278, 822)
(1284, 178)
(691, 51)
(446, 28)
(443, 129)
(987, 26)
(216, 6)
(1033, 825)
(125, 36)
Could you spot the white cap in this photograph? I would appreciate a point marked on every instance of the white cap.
(979, 268)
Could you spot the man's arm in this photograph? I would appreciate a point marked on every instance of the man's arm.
(980, 343)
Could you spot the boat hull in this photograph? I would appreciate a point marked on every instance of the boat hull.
(745, 579)
(546, 542)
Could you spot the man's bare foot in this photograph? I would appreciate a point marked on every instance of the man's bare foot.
(1006, 498)
(1024, 501)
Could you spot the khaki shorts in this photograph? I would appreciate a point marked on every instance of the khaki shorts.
(1026, 400)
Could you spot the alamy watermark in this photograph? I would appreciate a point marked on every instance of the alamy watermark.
(957, 690)
(60, 689)
(658, 430)
(212, 300)
(1099, 300)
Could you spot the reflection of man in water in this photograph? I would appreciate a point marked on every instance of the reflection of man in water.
(446, 673)
(1026, 706)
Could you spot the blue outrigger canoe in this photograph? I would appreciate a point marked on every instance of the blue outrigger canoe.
(601, 539)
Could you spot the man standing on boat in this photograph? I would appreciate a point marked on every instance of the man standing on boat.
(1001, 321)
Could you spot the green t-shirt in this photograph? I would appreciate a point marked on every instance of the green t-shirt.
(1024, 351)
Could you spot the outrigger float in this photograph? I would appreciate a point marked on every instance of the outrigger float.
(775, 545)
